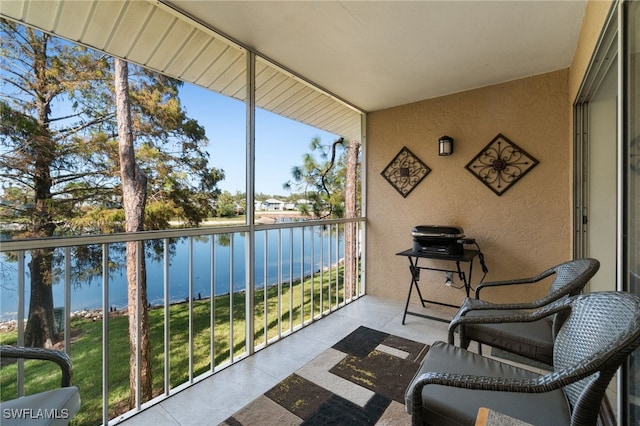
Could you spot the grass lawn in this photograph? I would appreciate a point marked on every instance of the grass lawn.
(86, 348)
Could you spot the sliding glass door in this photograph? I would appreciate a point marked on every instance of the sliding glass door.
(607, 175)
(631, 188)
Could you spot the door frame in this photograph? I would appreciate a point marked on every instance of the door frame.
(606, 53)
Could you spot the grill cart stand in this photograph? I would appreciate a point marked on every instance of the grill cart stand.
(414, 269)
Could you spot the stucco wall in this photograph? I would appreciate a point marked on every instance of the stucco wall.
(522, 232)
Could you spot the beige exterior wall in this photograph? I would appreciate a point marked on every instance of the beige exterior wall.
(521, 233)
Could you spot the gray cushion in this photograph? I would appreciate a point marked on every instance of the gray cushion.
(54, 407)
(445, 405)
(533, 340)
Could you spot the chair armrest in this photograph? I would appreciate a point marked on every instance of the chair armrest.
(58, 357)
(530, 280)
(470, 304)
(413, 398)
(520, 316)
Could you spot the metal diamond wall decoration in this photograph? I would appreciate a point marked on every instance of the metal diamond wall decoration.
(405, 171)
(501, 164)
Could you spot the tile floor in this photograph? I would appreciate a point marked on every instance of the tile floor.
(214, 399)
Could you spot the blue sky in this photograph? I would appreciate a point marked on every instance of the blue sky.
(280, 142)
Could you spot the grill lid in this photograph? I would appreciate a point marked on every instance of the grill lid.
(437, 231)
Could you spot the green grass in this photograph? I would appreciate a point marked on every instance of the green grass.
(86, 348)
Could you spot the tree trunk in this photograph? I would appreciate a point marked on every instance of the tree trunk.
(40, 330)
(134, 197)
(351, 256)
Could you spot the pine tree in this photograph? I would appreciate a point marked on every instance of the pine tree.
(84, 150)
(331, 183)
(36, 154)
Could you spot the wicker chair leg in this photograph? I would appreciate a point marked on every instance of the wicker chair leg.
(464, 341)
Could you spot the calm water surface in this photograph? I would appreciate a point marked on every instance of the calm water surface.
(274, 261)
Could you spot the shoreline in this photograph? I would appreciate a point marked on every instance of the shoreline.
(96, 314)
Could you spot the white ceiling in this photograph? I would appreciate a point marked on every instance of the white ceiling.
(369, 54)
(380, 54)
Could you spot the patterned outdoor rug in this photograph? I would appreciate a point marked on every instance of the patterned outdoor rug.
(361, 380)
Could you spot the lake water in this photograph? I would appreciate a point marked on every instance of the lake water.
(229, 271)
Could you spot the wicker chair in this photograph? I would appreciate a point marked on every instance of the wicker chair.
(600, 332)
(532, 340)
(53, 407)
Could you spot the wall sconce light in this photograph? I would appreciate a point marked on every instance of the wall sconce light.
(445, 145)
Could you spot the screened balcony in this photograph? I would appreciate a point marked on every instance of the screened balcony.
(390, 75)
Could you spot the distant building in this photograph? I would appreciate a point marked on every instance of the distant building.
(272, 204)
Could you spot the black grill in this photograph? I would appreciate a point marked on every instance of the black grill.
(438, 239)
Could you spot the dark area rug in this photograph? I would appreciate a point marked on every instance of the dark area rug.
(359, 381)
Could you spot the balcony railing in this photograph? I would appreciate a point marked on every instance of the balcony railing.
(215, 296)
